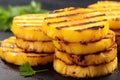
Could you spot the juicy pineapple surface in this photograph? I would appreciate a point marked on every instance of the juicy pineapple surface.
(111, 9)
(29, 27)
(84, 72)
(35, 46)
(12, 54)
(114, 22)
(75, 25)
(86, 48)
(90, 59)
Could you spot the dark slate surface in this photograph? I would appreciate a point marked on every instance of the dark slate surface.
(11, 72)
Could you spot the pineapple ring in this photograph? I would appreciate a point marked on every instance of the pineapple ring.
(84, 72)
(87, 60)
(35, 46)
(86, 48)
(82, 26)
(111, 9)
(28, 27)
(12, 54)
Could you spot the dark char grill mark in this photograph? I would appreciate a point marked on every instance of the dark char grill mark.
(48, 53)
(80, 24)
(77, 58)
(86, 43)
(33, 40)
(27, 52)
(49, 23)
(116, 19)
(74, 14)
(96, 53)
(62, 10)
(91, 28)
(66, 15)
(84, 66)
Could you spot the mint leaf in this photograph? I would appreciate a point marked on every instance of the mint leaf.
(26, 70)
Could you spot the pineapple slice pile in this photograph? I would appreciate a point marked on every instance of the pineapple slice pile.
(12, 54)
(65, 23)
(85, 47)
(29, 44)
(112, 11)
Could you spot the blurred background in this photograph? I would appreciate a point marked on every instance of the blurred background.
(49, 4)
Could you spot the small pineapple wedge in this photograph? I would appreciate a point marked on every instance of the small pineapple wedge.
(75, 25)
(29, 27)
(86, 48)
(89, 59)
(112, 11)
(84, 72)
(35, 46)
(10, 53)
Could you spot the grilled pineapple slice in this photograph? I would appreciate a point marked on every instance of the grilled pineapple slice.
(12, 54)
(104, 4)
(90, 59)
(111, 9)
(29, 27)
(86, 48)
(75, 25)
(84, 72)
(35, 46)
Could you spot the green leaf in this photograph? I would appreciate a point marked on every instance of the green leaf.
(26, 70)
(6, 16)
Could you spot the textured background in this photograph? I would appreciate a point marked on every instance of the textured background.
(50, 4)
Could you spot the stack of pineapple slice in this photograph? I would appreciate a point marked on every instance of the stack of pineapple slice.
(85, 47)
(29, 44)
(112, 10)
